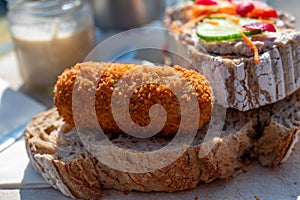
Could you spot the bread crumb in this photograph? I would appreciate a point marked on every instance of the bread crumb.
(256, 197)
(295, 183)
(126, 192)
(196, 198)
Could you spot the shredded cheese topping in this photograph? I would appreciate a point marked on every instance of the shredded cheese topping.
(190, 23)
(212, 22)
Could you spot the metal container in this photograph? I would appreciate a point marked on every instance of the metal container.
(126, 14)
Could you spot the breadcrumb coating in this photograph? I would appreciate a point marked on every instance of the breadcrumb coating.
(100, 80)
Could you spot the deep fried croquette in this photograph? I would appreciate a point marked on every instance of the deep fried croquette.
(102, 79)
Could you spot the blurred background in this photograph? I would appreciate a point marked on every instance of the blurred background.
(5, 45)
(2, 7)
(290, 6)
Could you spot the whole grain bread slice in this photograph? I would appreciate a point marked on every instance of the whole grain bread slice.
(230, 64)
(266, 134)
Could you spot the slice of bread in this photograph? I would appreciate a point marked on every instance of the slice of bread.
(230, 64)
(266, 134)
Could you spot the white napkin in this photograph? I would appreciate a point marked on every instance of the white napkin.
(16, 171)
(16, 109)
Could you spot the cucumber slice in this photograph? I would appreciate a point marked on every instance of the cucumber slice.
(226, 30)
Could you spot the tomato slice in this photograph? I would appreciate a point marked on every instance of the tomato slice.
(244, 8)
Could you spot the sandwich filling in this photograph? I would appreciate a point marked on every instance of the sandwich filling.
(231, 28)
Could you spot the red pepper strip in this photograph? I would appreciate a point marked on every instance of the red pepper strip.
(264, 13)
(206, 2)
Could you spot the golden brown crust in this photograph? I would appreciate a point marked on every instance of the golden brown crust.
(141, 100)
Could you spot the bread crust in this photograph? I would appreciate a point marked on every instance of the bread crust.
(57, 153)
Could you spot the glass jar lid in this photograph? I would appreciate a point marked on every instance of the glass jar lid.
(44, 8)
